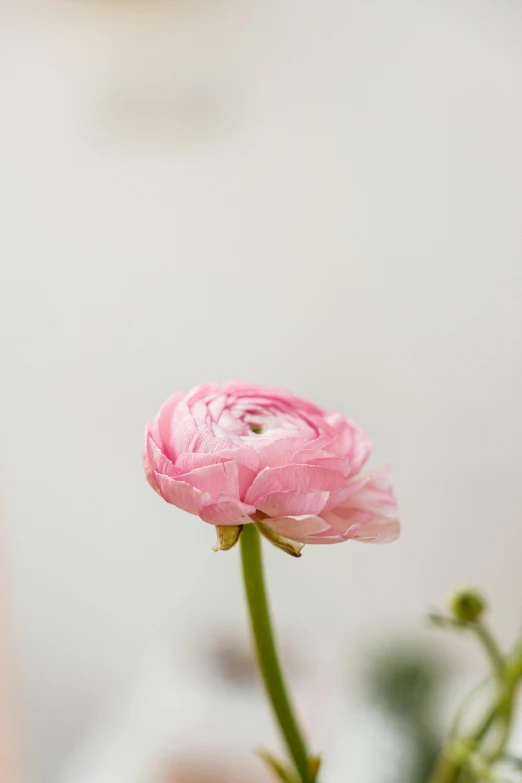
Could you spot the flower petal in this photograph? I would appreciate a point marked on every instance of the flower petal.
(201, 391)
(282, 397)
(164, 422)
(274, 454)
(242, 455)
(342, 518)
(288, 477)
(339, 496)
(245, 478)
(324, 459)
(293, 503)
(381, 530)
(216, 406)
(215, 480)
(297, 528)
(324, 538)
(158, 462)
(377, 494)
(322, 442)
(180, 494)
(146, 463)
(189, 435)
(371, 506)
(349, 441)
(227, 511)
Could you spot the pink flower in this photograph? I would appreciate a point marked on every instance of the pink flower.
(238, 453)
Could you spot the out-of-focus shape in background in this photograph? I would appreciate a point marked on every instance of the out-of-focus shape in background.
(404, 686)
(11, 751)
(319, 196)
(202, 713)
(162, 72)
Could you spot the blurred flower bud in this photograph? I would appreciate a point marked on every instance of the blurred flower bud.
(467, 605)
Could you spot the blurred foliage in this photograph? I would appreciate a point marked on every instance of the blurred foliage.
(404, 682)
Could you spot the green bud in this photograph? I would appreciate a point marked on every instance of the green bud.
(227, 536)
(467, 606)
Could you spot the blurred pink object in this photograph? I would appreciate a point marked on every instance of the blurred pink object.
(11, 766)
(233, 451)
(190, 770)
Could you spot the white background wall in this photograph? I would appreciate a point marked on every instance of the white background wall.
(324, 196)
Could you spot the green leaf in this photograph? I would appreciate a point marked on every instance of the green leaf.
(314, 765)
(283, 773)
(443, 621)
(227, 536)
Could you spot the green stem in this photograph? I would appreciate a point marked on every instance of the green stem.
(449, 770)
(266, 650)
(493, 652)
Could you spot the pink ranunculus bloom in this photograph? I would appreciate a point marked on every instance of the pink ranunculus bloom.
(236, 453)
